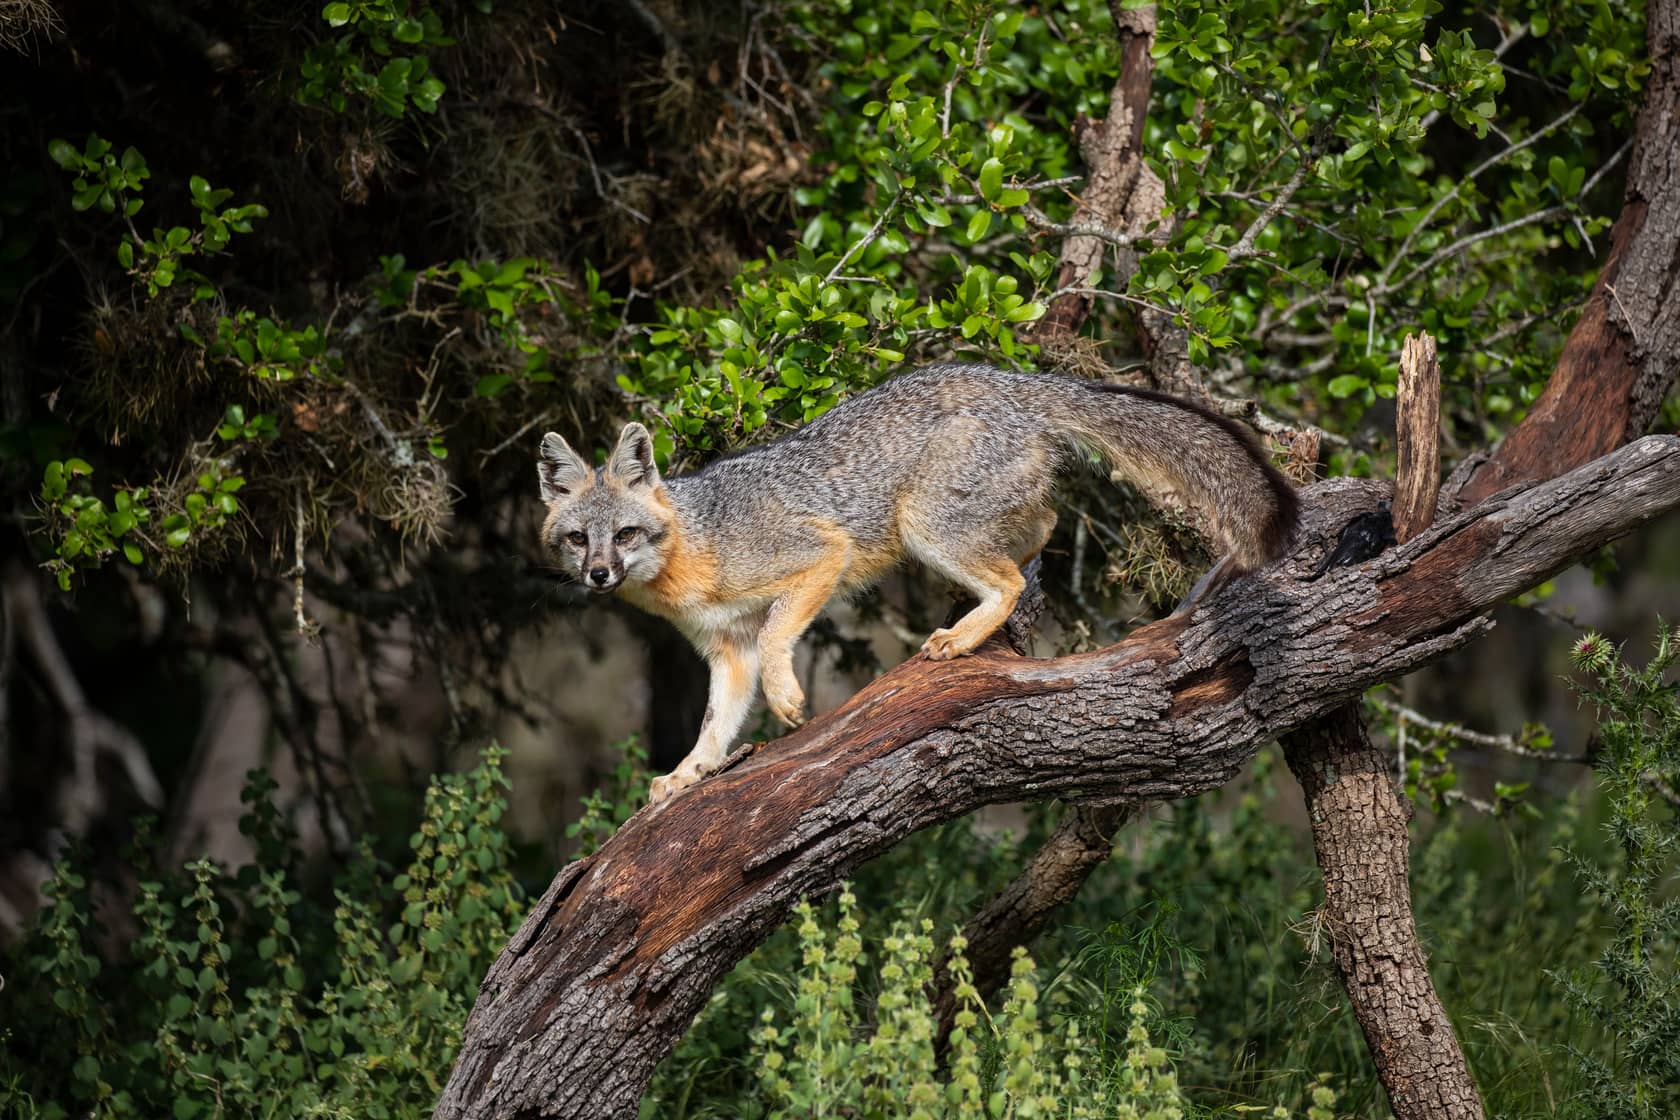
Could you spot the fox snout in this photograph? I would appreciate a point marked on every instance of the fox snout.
(602, 574)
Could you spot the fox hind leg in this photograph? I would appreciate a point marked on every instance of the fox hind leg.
(993, 578)
(1035, 534)
(985, 558)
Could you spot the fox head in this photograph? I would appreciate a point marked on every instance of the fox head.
(605, 524)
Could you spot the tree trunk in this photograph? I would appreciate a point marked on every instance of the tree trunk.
(1360, 838)
(1359, 834)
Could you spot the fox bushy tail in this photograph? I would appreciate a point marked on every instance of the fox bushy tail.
(1210, 461)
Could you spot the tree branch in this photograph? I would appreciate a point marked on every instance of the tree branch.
(1081, 843)
(622, 951)
(1112, 151)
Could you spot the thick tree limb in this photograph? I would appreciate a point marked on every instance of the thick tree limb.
(1080, 843)
(623, 949)
(1622, 355)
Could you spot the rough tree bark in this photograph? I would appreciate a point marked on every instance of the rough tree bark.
(1360, 838)
(1113, 153)
(623, 949)
(1621, 356)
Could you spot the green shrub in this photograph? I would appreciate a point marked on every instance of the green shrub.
(1633, 987)
(240, 997)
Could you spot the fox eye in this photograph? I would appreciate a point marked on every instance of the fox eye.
(626, 534)
(577, 538)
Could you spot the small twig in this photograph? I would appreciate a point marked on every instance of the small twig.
(1104, 293)
(1506, 227)
(956, 72)
(1042, 221)
(1247, 408)
(1498, 157)
(865, 241)
(1628, 320)
(541, 420)
(1244, 248)
(306, 629)
(1510, 744)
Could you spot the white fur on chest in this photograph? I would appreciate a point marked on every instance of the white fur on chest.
(704, 625)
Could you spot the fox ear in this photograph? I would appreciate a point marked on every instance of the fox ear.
(560, 472)
(632, 460)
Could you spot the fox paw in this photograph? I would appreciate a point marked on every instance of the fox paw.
(944, 644)
(667, 786)
(786, 702)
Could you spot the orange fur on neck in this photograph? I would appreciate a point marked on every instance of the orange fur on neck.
(687, 577)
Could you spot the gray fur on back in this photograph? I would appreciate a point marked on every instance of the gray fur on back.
(988, 444)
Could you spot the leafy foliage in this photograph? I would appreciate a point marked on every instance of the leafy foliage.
(240, 996)
(1636, 989)
(1014, 1065)
(1331, 178)
(341, 69)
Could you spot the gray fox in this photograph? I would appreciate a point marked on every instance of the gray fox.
(951, 465)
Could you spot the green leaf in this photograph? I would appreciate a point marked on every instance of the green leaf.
(979, 224)
(991, 178)
(336, 15)
(132, 551)
(1347, 384)
(934, 214)
(63, 153)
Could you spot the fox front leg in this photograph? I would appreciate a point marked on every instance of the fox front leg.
(734, 682)
(790, 616)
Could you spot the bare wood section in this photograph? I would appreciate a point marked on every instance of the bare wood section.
(624, 948)
(1417, 426)
(1359, 835)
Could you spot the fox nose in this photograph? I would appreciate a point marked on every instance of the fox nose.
(599, 576)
